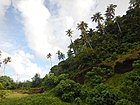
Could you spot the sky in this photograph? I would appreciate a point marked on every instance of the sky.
(30, 29)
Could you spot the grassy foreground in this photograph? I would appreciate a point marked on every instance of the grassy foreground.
(37, 99)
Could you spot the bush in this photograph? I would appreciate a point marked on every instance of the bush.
(1, 86)
(131, 86)
(78, 101)
(50, 80)
(124, 102)
(136, 64)
(67, 90)
(3, 93)
(98, 75)
(68, 97)
(102, 95)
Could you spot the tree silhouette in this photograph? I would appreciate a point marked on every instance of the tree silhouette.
(60, 55)
(83, 27)
(98, 18)
(5, 61)
(69, 34)
(110, 12)
(49, 56)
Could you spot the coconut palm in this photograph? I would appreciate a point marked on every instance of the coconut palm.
(82, 26)
(5, 61)
(98, 18)
(58, 53)
(69, 33)
(110, 12)
(62, 56)
(49, 56)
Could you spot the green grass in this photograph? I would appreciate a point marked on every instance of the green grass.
(38, 99)
(16, 95)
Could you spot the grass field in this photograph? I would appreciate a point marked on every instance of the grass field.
(15, 98)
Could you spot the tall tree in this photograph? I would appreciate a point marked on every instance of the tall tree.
(83, 27)
(5, 61)
(49, 56)
(60, 55)
(69, 33)
(36, 81)
(98, 18)
(110, 12)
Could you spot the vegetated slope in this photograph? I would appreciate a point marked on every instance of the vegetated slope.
(106, 62)
(116, 48)
(102, 68)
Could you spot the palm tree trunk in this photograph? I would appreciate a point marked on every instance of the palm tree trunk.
(72, 46)
(51, 62)
(119, 27)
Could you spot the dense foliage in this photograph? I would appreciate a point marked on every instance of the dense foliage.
(102, 68)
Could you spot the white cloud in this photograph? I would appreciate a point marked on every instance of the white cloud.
(22, 65)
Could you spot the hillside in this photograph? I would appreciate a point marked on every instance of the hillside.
(102, 68)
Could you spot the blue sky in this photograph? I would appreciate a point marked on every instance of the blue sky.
(30, 29)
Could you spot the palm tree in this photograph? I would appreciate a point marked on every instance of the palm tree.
(5, 61)
(59, 53)
(135, 3)
(69, 34)
(49, 56)
(98, 18)
(110, 12)
(62, 56)
(83, 27)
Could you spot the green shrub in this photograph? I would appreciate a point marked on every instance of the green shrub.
(50, 80)
(68, 97)
(102, 95)
(67, 89)
(1, 86)
(124, 102)
(131, 86)
(78, 101)
(3, 93)
(136, 64)
(98, 75)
